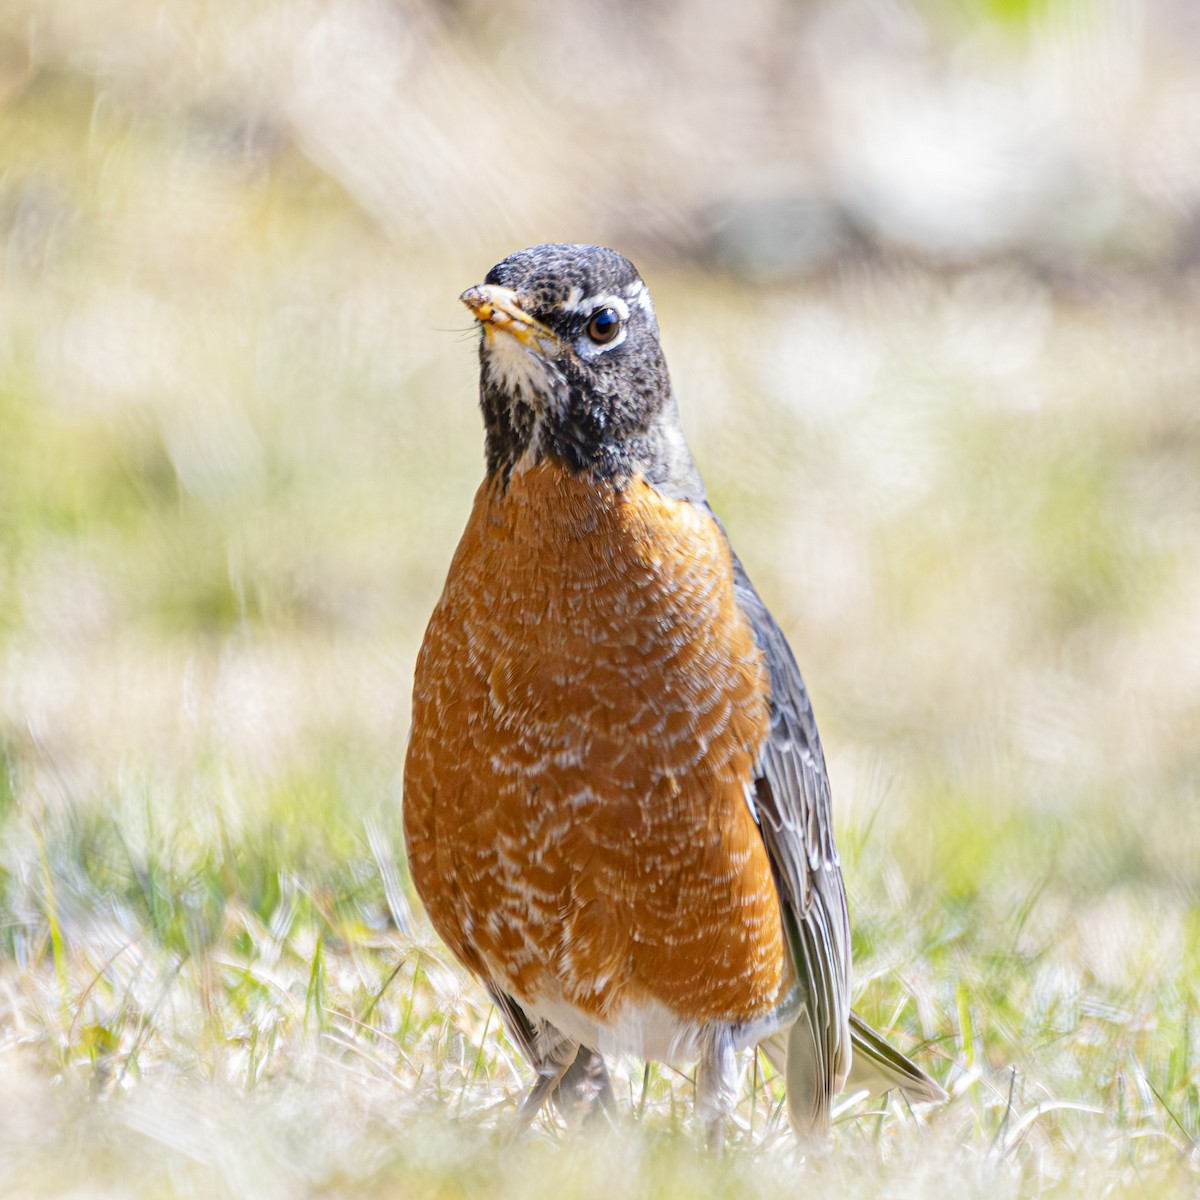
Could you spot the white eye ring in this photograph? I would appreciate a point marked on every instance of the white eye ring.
(591, 306)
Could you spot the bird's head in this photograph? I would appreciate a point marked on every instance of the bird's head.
(571, 368)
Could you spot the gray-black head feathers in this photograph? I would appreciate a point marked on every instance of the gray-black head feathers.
(571, 367)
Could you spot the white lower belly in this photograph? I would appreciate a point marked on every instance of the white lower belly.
(646, 1030)
(649, 1030)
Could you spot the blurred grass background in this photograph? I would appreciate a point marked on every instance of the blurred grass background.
(928, 273)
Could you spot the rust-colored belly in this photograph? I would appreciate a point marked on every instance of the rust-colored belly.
(588, 707)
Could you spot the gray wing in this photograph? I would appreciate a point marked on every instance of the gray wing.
(795, 815)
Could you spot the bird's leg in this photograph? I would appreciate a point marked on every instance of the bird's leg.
(716, 1084)
(571, 1075)
(549, 1075)
(549, 1078)
(584, 1088)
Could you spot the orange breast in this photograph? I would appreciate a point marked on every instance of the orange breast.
(588, 708)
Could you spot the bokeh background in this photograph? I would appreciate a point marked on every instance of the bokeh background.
(928, 273)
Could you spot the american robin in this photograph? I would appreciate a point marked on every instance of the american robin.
(615, 800)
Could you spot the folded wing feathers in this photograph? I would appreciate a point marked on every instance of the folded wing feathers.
(793, 800)
(792, 797)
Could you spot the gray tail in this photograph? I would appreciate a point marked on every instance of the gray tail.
(876, 1067)
(879, 1067)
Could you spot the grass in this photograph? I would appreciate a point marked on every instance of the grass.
(238, 445)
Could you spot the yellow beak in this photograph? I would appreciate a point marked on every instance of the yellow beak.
(497, 310)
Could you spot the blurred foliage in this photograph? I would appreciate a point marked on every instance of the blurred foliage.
(1000, 12)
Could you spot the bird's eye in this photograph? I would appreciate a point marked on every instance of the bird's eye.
(604, 325)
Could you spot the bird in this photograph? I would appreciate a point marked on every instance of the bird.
(616, 807)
